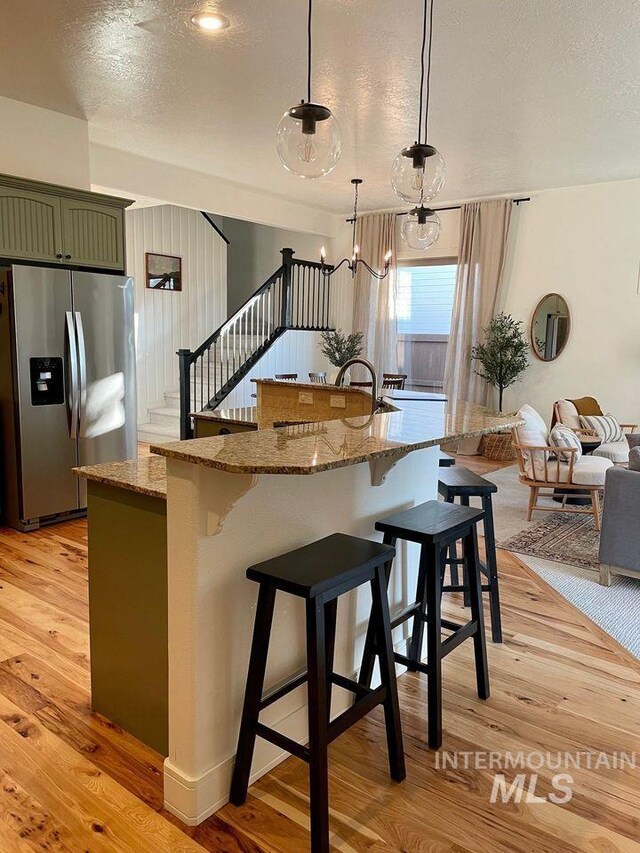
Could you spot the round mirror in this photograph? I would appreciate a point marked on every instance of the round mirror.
(550, 327)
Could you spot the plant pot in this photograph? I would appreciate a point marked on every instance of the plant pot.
(498, 447)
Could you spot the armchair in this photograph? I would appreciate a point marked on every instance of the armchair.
(568, 412)
(542, 468)
(620, 537)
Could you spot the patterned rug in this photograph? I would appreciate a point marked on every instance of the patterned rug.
(562, 537)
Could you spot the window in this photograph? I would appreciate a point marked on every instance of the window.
(425, 298)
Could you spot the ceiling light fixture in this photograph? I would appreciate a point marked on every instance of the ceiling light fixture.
(308, 140)
(210, 22)
(418, 172)
(352, 263)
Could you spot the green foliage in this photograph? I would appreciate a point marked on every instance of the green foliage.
(339, 348)
(503, 355)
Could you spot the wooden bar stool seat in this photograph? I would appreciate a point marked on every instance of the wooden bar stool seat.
(435, 526)
(319, 573)
(463, 484)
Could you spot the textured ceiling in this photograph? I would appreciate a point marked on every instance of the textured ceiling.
(527, 94)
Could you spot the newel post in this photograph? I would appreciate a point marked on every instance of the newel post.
(184, 358)
(287, 265)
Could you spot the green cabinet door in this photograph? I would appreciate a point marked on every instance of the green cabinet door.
(30, 225)
(93, 234)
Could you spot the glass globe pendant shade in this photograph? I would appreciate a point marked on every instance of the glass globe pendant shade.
(421, 228)
(308, 140)
(418, 173)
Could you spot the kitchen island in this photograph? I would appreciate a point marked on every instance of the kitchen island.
(239, 499)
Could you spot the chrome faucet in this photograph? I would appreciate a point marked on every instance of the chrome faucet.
(365, 363)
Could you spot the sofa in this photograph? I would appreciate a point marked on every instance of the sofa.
(568, 413)
(620, 537)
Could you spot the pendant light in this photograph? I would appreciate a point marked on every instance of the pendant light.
(308, 140)
(421, 228)
(353, 262)
(418, 172)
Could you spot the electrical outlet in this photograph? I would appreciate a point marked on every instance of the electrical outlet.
(305, 397)
(337, 401)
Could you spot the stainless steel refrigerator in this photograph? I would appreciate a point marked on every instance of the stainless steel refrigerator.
(67, 386)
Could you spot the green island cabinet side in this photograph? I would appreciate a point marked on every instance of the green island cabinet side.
(62, 226)
(128, 611)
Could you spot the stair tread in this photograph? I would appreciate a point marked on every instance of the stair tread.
(167, 411)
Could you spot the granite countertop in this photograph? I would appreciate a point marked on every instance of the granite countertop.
(325, 445)
(244, 415)
(147, 476)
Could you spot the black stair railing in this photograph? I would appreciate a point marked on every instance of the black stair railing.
(296, 296)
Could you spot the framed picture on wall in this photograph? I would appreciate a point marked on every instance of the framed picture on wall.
(164, 272)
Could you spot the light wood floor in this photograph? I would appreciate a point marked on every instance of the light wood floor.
(72, 782)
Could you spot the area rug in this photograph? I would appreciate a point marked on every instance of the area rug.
(563, 549)
(562, 537)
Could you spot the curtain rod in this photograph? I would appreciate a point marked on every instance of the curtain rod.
(515, 201)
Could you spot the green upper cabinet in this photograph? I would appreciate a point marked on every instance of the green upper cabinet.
(93, 234)
(43, 222)
(30, 225)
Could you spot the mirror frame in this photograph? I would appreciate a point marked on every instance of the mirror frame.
(534, 349)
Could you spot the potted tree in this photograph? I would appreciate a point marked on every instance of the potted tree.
(503, 358)
(339, 347)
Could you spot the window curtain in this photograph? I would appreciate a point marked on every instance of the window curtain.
(374, 303)
(484, 231)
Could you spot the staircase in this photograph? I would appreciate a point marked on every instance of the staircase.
(295, 297)
(163, 424)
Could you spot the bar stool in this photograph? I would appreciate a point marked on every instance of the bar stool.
(463, 484)
(435, 526)
(320, 573)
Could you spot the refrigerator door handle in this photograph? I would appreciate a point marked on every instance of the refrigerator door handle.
(73, 395)
(82, 363)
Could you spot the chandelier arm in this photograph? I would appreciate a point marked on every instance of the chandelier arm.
(309, 52)
(428, 98)
(375, 273)
(328, 271)
(424, 41)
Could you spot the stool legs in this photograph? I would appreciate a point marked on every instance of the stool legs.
(330, 613)
(434, 645)
(428, 564)
(477, 612)
(369, 651)
(492, 570)
(318, 725)
(380, 614)
(253, 694)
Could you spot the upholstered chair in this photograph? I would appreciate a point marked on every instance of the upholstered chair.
(561, 469)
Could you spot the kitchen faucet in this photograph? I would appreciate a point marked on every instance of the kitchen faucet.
(365, 363)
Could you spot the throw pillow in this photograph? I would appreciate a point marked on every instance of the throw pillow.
(634, 459)
(562, 436)
(606, 426)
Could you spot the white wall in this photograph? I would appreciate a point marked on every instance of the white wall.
(129, 174)
(166, 320)
(43, 145)
(584, 243)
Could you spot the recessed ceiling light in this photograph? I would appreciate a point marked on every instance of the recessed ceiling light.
(210, 22)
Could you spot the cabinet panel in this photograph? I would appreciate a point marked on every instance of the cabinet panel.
(93, 234)
(30, 225)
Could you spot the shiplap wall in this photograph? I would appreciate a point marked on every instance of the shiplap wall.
(165, 320)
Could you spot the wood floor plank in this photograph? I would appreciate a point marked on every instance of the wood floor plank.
(72, 781)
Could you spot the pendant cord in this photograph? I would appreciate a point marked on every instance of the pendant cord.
(424, 41)
(426, 116)
(355, 219)
(309, 53)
